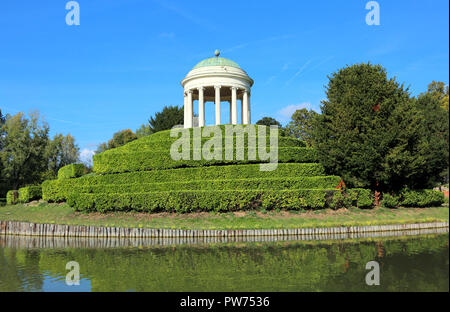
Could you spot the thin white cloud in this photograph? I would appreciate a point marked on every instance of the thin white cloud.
(299, 71)
(86, 156)
(285, 114)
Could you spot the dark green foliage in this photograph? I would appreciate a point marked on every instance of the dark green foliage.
(421, 198)
(357, 197)
(61, 151)
(390, 201)
(268, 121)
(29, 193)
(413, 198)
(374, 135)
(22, 155)
(300, 127)
(12, 197)
(71, 171)
(169, 117)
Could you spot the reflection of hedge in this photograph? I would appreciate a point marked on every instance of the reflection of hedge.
(116, 161)
(29, 193)
(71, 171)
(414, 198)
(57, 190)
(12, 197)
(251, 267)
(201, 200)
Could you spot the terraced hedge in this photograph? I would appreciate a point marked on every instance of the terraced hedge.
(143, 176)
(116, 161)
(57, 190)
(200, 200)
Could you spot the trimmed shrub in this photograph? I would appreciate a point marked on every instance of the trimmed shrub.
(390, 201)
(115, 161)
(357, 197)
(212, 185)
(421, 198)
(190, 201)
(71, 171)
(364, 197)
(29, 193)
(199, 200)
(57, 190)
(12, 197)
(414, 198)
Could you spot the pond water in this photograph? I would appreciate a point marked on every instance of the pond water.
(407, 263)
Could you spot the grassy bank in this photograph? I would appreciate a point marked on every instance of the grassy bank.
(63, 214)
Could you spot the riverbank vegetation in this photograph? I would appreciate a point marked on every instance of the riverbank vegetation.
(63, 214)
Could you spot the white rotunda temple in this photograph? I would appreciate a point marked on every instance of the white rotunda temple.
(216, 79)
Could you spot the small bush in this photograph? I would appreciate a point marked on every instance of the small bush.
(71, 171)
(421, 198)
(29, 193)
(12, 197)
(413, 198)
(390, 201)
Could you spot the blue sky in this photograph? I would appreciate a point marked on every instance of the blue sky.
(126, 59)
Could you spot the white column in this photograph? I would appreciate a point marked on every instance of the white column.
(185, 110)
(242, 111)
(249, 117)
(245, 108)
(233, 106)
(190, 110)
(201, 108)
(217, 89)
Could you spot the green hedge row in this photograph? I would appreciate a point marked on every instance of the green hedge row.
(413, 198)
(162, 137)
(12, 197)
(71, 171)
(191, 201)
(148, 143)
(357, 197)
(114, 162)
(29, 193)
(320, 182)
(201, 200)
(57, 190)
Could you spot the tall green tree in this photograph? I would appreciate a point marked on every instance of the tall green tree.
(169, 117)
(300, 126)
(373, 134)
(23, 152)
(143, 131)
(119, 138)
(440, 91)
(269, 121)
(61, 151)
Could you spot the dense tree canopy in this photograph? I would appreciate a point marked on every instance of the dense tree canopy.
(300, 126)
(61, 151)
(373, 134)
(169, 117)
(23, 150)
(268, 121)
(119, 138)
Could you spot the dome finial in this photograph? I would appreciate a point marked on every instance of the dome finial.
(217, 53)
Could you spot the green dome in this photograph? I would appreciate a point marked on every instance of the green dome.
(216, 61)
